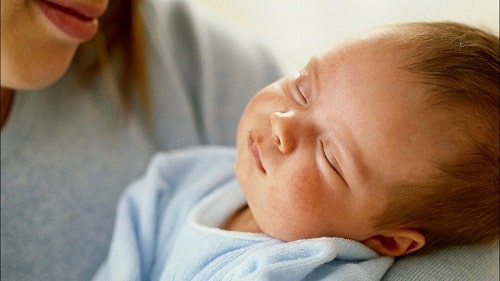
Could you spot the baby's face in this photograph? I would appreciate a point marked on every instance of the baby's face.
(318, 151)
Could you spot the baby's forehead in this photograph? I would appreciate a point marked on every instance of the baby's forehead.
(382, 39)
(394, 38)
(379, 50)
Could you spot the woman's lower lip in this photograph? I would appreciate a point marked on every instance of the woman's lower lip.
(254, 152)
(75, 26)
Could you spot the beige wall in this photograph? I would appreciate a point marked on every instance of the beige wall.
(297, 29)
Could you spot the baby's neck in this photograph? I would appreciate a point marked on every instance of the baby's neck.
(242, 220)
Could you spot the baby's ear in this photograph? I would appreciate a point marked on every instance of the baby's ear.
(396, 242)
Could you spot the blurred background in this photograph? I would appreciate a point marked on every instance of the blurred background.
(295, 30)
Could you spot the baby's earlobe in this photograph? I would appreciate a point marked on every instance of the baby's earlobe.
(396, 242)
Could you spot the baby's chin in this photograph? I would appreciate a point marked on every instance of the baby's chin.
(286, 236)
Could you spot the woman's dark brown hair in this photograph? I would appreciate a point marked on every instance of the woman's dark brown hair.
(118, 53)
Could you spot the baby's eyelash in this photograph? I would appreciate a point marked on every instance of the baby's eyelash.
(333, 165)
(326, 156)
(304, 100)
(300, 95)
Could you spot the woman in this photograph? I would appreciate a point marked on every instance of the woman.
(81, 120)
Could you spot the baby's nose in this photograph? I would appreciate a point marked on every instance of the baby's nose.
(284, 129)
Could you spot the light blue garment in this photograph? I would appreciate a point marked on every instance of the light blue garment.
(167, 228)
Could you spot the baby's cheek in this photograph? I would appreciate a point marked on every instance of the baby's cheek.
(303, 190)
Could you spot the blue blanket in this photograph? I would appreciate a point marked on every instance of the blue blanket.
(167, 228)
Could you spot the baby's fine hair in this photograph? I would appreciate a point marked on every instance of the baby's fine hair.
(459, 66)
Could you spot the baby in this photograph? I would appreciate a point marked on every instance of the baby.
(386, 145)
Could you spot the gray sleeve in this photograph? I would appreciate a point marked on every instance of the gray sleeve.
(468, 263)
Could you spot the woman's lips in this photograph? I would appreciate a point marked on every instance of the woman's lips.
(76, 20)
(254, 152)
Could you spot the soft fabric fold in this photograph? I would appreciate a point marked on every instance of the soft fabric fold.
(167, 228)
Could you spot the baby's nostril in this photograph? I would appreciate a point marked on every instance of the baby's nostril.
(277, 140)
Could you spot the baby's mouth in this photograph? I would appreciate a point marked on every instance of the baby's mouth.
(254, 152)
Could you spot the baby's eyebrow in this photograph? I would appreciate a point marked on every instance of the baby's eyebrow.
(312, 65)
(311, 69)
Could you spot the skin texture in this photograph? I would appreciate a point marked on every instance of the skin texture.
(34, 53)
(318, 152)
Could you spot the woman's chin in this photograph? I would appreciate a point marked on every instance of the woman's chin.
(34, 78)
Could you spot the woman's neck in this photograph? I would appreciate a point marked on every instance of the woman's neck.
(7, 97)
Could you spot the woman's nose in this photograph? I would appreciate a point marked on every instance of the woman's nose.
(283, 131)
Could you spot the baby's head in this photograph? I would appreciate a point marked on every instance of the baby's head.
(459, 68)
(390, 139)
